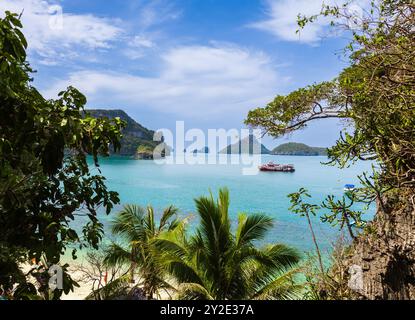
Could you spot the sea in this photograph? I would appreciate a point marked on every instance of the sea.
(160, 185)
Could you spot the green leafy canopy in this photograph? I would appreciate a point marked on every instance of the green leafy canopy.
(45, 180)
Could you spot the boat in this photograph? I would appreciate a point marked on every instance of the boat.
(349, 187)
(275, 167)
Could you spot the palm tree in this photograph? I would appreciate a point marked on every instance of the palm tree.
(215, 264)
(137, 230)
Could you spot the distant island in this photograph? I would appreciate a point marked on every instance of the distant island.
(248, 145)
(203, 150)
(298, 149)
(137, 140)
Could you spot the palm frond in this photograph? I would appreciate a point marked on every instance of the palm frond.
(278, 286)
(251, 228)
(223, 205)
(129, 223)
(193, 291)
(149, 222)
(184, 272)
(282, 255)
(116, 254)
(168, 214)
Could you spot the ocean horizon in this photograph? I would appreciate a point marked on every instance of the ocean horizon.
(144, 182)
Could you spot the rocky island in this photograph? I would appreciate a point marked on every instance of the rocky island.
(137, 141)
(298, 149)
(248, 145)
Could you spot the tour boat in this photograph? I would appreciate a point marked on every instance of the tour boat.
(277, 167)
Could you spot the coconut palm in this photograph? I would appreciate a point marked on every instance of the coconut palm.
(217, 264)
(136, 230)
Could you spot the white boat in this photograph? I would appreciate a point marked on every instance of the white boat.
(349, 187)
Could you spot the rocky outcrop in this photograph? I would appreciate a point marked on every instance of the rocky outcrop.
(247, 145)
(137, 141)
(385, 254)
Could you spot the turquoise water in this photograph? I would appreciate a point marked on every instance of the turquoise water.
(145, 182)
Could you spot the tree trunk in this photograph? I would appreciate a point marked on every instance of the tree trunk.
(385, 254)
(320, 260)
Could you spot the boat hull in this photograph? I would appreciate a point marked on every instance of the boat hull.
(276, 169)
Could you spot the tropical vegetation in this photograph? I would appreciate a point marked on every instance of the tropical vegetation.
(298, 149)
(137, 141)
(376, 96)
(215, 263)
(45, 180)
(137, 231)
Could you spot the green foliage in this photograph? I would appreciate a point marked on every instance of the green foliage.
(300, 206)
(376, 93)
(137, 231)
(342, 213)
(216, 264)
(333, 283)
(286, 113)
(305, 209)
(135, 138)
(44, 175)
(298, 149)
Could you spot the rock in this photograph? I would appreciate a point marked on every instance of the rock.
(387, 254)
(247, 145)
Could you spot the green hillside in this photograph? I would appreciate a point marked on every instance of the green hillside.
(298, 149)
(137, 140)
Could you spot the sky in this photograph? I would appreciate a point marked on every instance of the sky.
(205, 62)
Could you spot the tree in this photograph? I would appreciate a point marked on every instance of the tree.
(215, 264)
(304, 209)
(342, 213)
(376, 95)
(107, 282)
(45, 180)
(138, 230)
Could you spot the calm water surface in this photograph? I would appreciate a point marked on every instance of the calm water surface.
(145, 182)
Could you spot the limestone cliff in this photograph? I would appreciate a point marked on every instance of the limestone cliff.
(386, 253)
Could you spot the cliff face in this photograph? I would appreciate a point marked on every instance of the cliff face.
(137, 140)
(387, 254)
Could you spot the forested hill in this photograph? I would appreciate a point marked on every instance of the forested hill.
(299, 149)
(137, 140)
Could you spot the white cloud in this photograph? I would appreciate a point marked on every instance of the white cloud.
(142, 41)
(198, 81)
(54, 34)
(140, 45)
(156, 12)
(282, 18)
(151, 15)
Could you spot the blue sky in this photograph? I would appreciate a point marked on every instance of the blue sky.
(206, 62)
